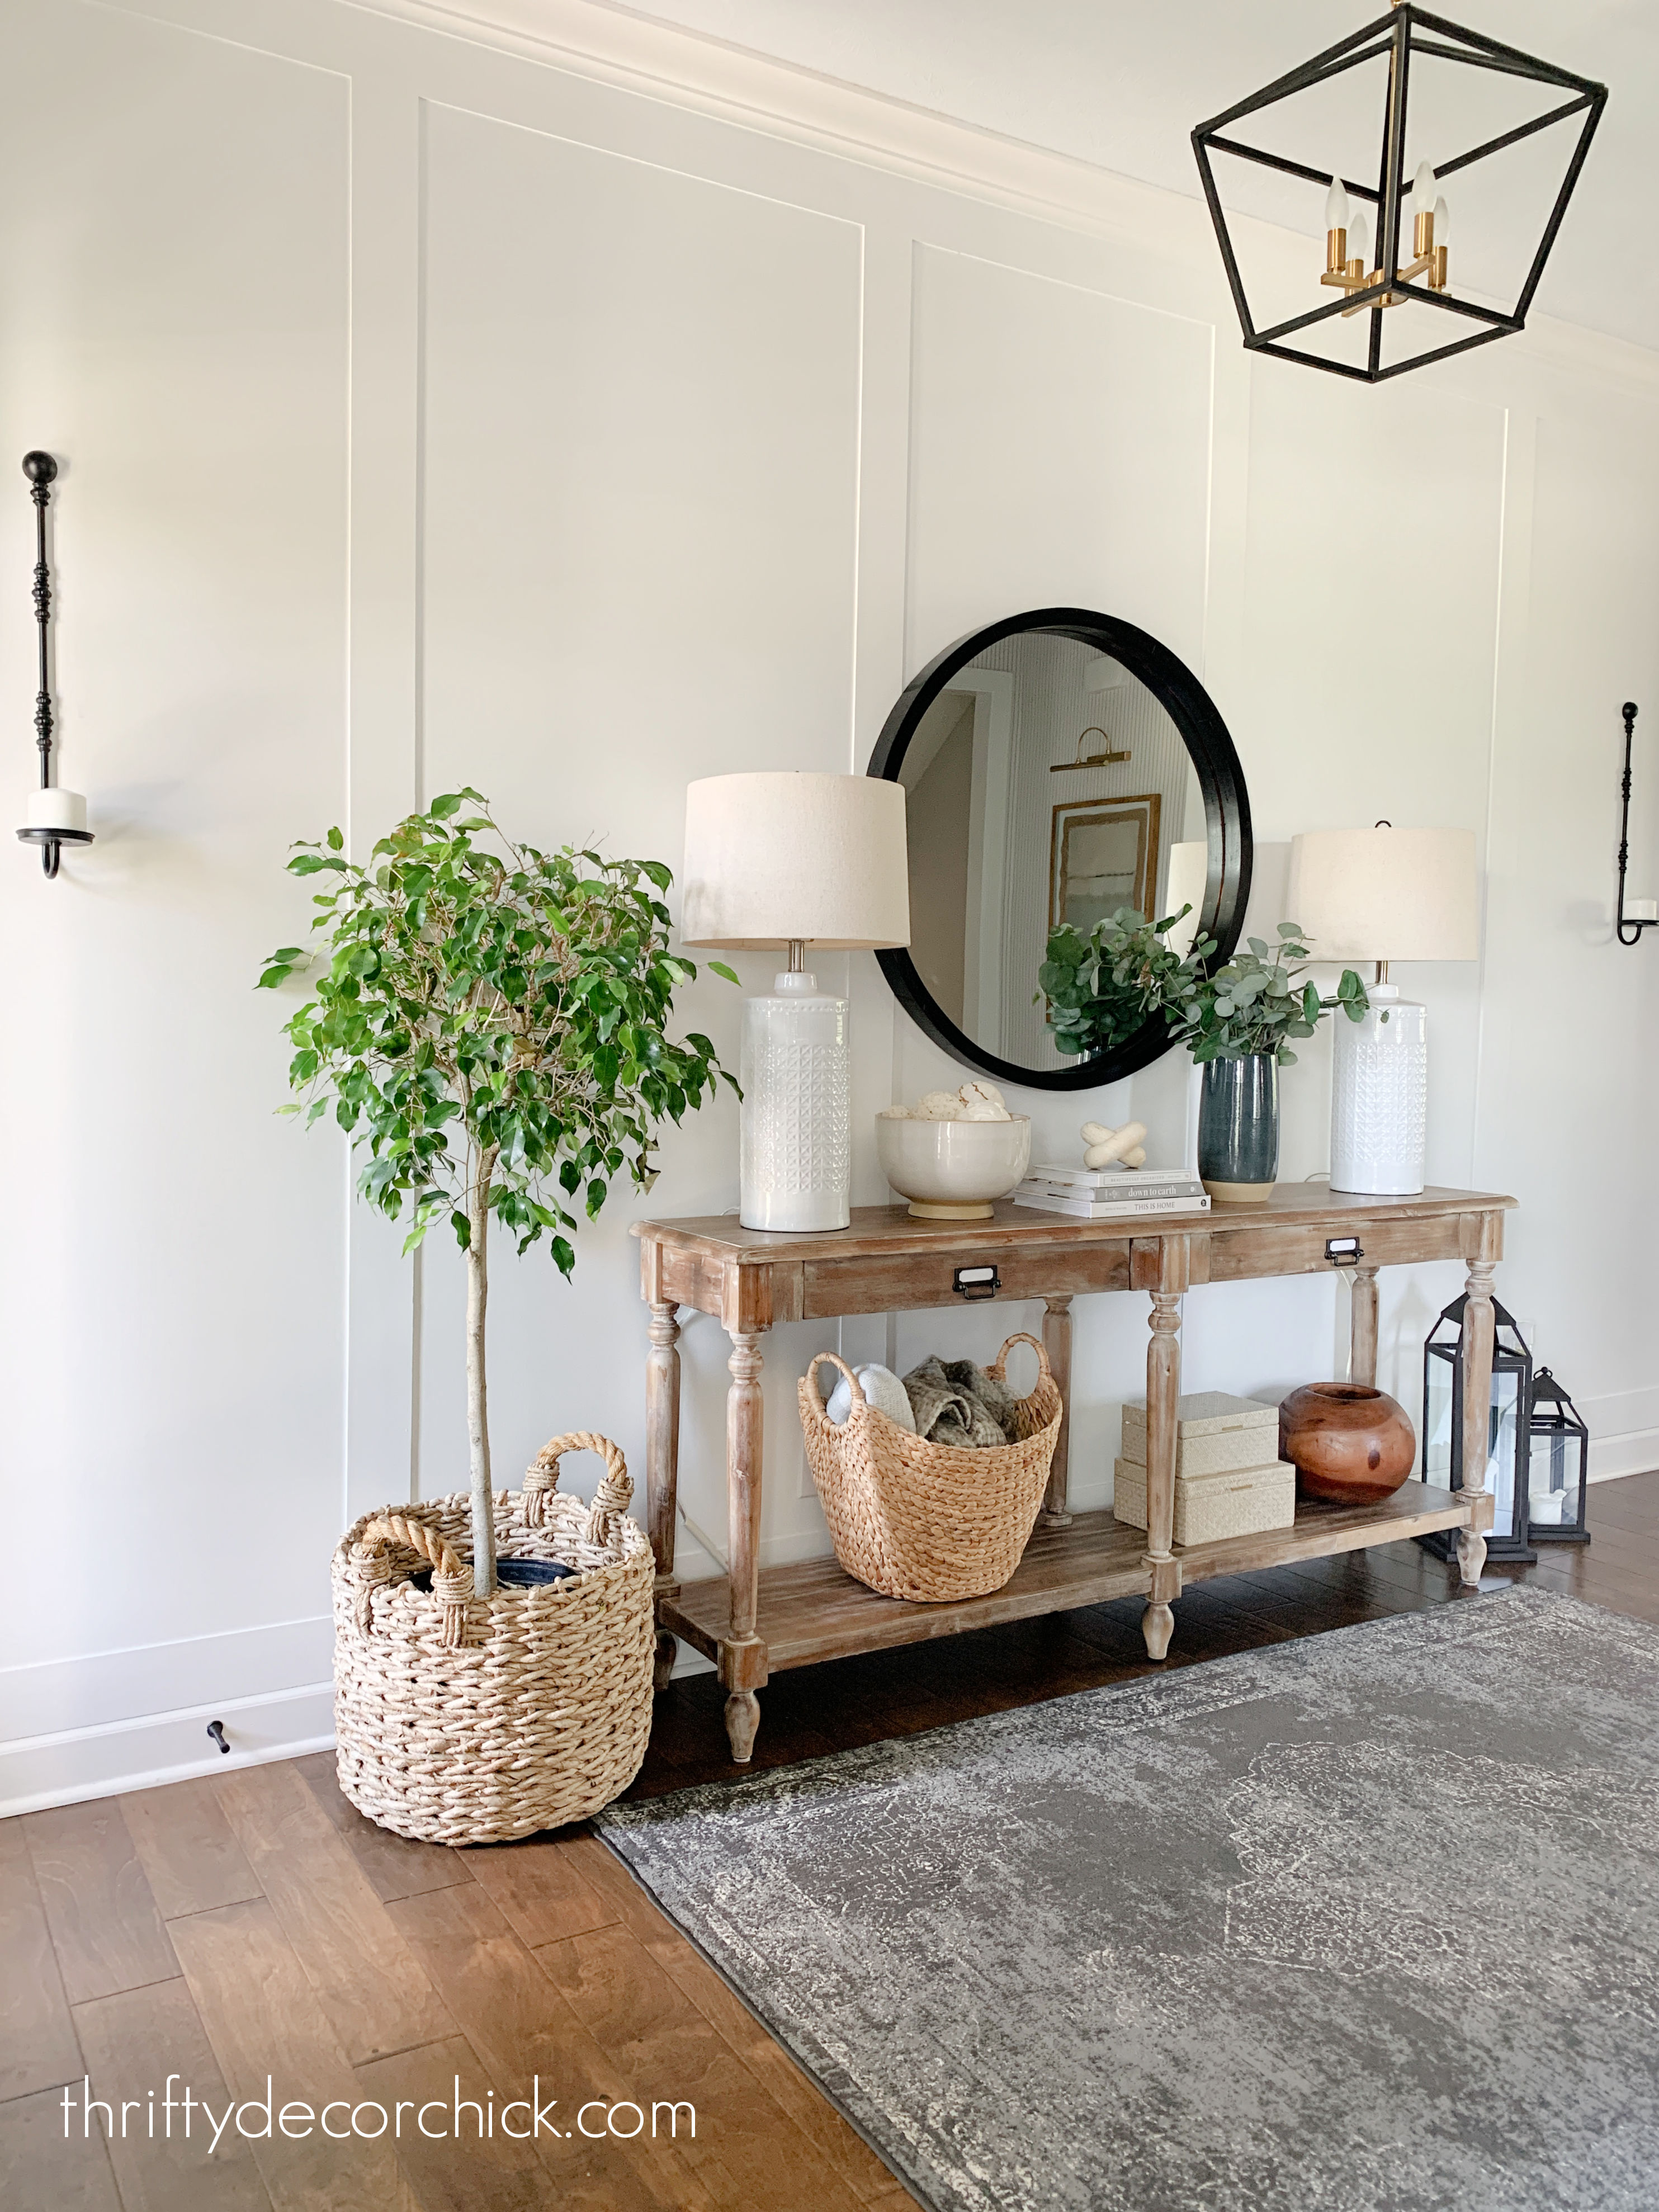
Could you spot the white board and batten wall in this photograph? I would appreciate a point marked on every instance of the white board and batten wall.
(574, 418)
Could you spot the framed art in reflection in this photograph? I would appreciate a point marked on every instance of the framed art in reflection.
(1103, 854)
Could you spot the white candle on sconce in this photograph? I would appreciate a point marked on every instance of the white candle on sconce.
(52, 808)
(1641, 909)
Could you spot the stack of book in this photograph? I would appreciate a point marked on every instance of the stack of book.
(1110, 1194)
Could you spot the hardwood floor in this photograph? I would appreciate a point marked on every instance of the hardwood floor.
(254, 1925)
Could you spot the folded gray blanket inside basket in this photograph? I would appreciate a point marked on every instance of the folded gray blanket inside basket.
(959, 1404)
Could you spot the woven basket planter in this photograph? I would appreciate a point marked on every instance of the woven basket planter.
(468, 1720)
(929, 1522)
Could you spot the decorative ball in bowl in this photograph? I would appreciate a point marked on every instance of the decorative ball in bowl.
(952, 1171)
(1350, 1444)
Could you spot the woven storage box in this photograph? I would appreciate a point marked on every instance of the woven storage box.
(1236, 1501)
(467, 1720)
(929, 1522)
(1214, 1432)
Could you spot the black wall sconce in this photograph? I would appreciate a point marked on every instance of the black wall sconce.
(56, 817)
(1640, 914)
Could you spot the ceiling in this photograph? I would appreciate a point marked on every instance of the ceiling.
(1120, 83)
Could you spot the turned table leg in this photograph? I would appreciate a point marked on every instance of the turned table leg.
(1478, 1329)
(1163, 1400)
(1362, 1353)
(743, 1655)
(1057, 1343)
(662, 1463)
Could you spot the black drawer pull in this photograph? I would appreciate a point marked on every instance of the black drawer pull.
(976, 1282)
(1343, 1251)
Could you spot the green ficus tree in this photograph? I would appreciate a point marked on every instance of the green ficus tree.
(491, 1031)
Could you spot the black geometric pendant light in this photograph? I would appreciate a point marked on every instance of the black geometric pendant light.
(1423, 71)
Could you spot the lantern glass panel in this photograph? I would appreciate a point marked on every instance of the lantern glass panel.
(1437, 1416)
(1501, 1468)
(1558, 1472)
(1507, 1343)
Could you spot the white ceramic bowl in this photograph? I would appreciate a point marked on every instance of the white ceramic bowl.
(952, 1171)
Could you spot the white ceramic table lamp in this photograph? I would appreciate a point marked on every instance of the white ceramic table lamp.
(795, 859)
(1382, 895)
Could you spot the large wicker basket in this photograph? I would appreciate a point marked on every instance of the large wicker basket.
(465, 1719)
(929, 1522)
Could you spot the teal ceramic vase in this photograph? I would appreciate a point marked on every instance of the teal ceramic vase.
(1238, 1129)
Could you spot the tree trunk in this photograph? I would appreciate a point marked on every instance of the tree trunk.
(477, 1397)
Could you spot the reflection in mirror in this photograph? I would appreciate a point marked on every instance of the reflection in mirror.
(1045, 784)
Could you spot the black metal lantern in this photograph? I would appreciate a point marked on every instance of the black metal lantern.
(1508, 1456)
(1559, 1486)
(1447, 97)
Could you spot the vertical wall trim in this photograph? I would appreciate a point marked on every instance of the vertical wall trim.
(385, 204)
(878, 670)
(912, 657)
(1509, 630)
(1226, 552)
(419, 791)
(854, 765)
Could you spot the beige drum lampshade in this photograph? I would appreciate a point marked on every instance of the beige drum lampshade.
(1385, 894)
(772, 857)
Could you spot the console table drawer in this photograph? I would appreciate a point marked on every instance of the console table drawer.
(1269, 1247)
(893, 1283)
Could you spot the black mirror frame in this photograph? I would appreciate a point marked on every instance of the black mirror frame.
(1226, 809)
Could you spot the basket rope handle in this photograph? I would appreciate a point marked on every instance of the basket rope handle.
(610, 1500)
(811, 1379)
(452, 1575)
(999, 1365)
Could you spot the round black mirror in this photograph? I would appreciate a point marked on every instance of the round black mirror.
(1057, 766)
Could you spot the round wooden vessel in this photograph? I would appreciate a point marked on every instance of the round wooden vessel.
(1350, 1444)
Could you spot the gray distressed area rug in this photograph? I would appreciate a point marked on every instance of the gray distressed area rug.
(1368, 1920)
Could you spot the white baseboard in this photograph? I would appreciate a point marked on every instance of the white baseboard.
(1637, 1452)
(53, 1696)
(71, 1765)
(109, 1721)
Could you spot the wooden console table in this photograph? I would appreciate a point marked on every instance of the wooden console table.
(753, 1623)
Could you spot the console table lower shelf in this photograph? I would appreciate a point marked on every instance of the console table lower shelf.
(813, 1611)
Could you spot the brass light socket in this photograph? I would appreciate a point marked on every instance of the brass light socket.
(1438, 279)
(1423, 236)
(1336, 252)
